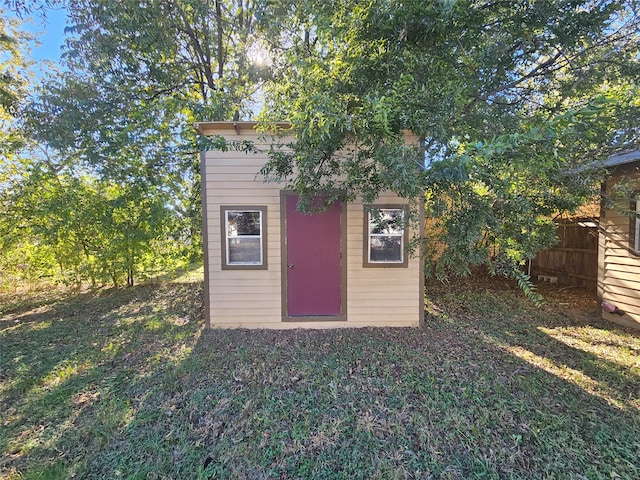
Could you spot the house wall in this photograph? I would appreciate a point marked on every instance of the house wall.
(618, 264)
(253, 298)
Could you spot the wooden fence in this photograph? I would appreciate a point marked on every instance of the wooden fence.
(574, 259)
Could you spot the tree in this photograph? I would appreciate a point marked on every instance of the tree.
(140, 74)
(104, 187)
(197, 52)
(509, 98)
(114, 151)
(14, 63)
(79, 228)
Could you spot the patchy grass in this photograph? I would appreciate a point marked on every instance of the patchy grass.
(126, 384)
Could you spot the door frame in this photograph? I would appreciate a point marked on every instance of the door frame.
(284, 262)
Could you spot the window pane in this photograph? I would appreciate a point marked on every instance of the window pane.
(386, 221)
(244, 250)
(386, 249)
(243, 223)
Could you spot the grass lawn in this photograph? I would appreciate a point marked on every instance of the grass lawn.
(127, 384)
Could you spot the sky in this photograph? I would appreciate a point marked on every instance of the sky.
(50, 34)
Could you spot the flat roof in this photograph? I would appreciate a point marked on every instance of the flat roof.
(211, 128)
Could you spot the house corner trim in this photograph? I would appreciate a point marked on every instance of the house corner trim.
(205, 243)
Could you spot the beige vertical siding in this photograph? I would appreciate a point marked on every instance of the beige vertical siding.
(253, 298)
(379, 296)
(619, 265)
(241, 298)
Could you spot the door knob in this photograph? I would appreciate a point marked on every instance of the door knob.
(290, 265)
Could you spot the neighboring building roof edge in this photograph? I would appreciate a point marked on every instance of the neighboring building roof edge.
(621, 159)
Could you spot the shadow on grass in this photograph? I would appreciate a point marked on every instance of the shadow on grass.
(596, 355)
(129, 386)
(77, 359)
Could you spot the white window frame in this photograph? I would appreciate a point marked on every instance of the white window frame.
(369, 212)
(224, 216)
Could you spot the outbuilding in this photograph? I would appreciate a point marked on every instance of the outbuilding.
(267, 265)
(619, 241)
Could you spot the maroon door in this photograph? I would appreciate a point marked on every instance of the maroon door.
(314, 277)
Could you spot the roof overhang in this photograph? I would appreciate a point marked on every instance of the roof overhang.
(618, 159)
(220, 128)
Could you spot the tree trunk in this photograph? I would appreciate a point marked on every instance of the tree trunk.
(220, 32)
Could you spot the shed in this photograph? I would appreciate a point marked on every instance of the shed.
(619, 243)
(269, 266)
